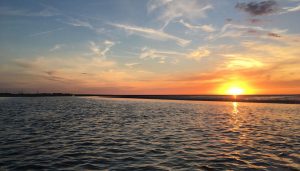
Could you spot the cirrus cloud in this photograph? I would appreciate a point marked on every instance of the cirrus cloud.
(168, 10)
(151, 33)
(205, 28)
(199, 53)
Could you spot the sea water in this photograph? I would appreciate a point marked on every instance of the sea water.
(92, 133)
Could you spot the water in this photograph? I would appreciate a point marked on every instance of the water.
(90, 133)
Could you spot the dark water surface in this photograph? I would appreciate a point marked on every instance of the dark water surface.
(73, 133)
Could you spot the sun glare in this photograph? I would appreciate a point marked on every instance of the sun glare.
(235, 88)
(235, 91)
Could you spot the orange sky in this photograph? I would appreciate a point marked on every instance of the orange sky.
(150, 47)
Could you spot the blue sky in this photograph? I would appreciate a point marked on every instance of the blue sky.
(149, 46)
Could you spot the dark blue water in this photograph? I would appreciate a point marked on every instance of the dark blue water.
(73, 133)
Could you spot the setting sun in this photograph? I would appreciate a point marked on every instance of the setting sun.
(237, 87)
(235, 91)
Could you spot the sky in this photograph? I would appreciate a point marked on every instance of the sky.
(150, 46)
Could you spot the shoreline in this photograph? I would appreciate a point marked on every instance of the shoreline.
(217, 98)
(279, 99)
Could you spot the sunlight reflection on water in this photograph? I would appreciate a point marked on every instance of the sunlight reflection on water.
(235, 108)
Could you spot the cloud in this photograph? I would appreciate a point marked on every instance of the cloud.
(199, 53)
(237, 30)
(168, 10)
(23, 63)
(56, 47)
(245, 27)
(79, 23)
(255, 21)
(48, 71)
(208, 28)
(46, 32)
(290, 9)
(46, 12)
(205, 28)
(153, 53)
(258, 8)
(270, 67)
(147, 53)
(70, 63)
(101, 51)
(259, 55)
(266, 7)
(154, 4)
(84, 24)
(237, 61)
(152, 33)
(131, 65)
(273, 35)
(266, 68)
(162, 55)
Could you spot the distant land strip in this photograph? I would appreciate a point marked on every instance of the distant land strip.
(284, 99)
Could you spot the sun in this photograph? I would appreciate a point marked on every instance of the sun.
(235, 91)
(235, 88)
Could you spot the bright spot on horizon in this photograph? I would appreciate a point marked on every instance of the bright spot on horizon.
(237, 87)
(235, 91)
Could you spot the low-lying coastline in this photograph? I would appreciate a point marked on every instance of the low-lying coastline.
(284, 99)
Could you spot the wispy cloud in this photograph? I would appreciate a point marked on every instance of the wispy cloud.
(153, 53)
(46, 12)
(205, 28)
(243, 27)
(161, 55)
(56, 47)
(290, 9)
(272, 68)
(151, 33)
(75, 22)
(46, 32)
(131, 65)
(238, 30)
(199, 53)
(173, 56)
(79, 23)
(80, 64)
(103, 49)
(237, 61)
(168, 10)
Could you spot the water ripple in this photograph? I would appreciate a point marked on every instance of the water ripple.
(72, 133)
